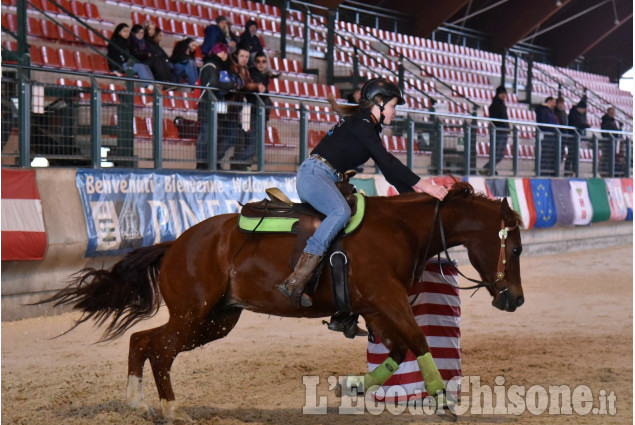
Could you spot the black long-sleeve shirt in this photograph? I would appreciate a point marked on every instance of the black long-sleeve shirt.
(355, 139)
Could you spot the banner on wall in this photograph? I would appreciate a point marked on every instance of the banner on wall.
(23, 232)
(125, 210)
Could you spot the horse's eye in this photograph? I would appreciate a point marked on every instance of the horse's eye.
(517, 251)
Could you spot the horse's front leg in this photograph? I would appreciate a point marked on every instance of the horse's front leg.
(394, 321)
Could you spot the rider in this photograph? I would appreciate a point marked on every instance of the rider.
(348, 145)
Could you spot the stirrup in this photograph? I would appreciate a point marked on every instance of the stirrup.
(348, 326)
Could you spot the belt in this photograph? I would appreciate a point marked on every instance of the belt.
(340, 176)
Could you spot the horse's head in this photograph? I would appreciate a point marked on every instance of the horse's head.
(495, 254)
(490, 230)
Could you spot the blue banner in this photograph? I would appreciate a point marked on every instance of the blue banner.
(125, 210)
(543, 202)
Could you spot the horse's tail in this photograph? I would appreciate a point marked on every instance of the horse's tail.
(125, 294)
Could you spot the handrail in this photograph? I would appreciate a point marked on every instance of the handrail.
(475, 106)
(355, 48)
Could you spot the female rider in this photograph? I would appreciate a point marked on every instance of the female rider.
(348, 145)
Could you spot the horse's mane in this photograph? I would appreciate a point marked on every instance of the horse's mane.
(463, 190)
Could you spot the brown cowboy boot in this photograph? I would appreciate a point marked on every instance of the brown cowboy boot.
(293, 287)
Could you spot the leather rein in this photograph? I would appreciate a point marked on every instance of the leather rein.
(502, 260)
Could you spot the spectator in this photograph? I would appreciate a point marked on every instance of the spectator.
(213, 34)
(567, 139)
(545, 115)
(250, 39)
(354, 96)
(184, 62)
(577, 116)
(216, 73)
(560, 112)
(120, 55)
(159, 61)
(231, 39)
(610, 123)
(260, 74)
(246, 148)
(498, 109)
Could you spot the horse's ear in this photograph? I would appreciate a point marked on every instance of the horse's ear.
(506, 208)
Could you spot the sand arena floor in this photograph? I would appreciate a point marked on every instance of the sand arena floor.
(576, 328)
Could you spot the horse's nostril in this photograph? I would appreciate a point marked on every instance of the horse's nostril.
(520, 301)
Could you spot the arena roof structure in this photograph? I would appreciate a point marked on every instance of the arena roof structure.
(600, 33)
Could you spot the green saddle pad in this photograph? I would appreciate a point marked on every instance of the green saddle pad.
(285, 224)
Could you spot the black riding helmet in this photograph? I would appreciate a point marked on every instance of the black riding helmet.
(375, 86)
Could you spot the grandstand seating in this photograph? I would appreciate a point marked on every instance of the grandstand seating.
(470, 73)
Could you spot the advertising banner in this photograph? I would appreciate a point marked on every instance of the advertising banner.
(128, 209)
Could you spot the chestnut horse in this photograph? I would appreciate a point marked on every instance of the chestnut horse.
(213, 271)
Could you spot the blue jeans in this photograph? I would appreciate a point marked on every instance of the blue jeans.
(143, 71)
(189, 69)
(316, 185)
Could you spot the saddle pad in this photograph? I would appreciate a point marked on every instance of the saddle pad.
(286, 224)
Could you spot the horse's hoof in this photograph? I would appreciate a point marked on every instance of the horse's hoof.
(172, 413)
(143, 410)
(445, 408)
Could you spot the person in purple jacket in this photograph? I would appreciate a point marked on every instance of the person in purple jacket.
(350, 143)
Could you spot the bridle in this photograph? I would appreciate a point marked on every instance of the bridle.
(502, 259)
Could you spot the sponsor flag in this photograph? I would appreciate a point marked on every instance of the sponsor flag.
(437, 309)
(23, 233)
(599, 200)
(543, 202)
(522, 201)
(627, 190)
(616, 199)
(561, 191)
(581, 202)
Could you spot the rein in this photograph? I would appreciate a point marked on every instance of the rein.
(502, 260)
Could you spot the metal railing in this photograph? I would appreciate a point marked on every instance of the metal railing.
(99, 123)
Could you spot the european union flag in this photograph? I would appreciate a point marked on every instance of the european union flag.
(543, 202)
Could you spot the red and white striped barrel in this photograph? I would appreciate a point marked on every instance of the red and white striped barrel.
(437, 310)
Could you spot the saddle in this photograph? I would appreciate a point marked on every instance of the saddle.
(280, 215)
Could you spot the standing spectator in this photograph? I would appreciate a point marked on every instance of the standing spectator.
(260, 74)
(610, 123)
(159, 62)
(545, 115)
(231, 39)
(250, 39)
(120, 55)
(216, 73)
(561, 113)
(213, 34)
(247, 145)
(567, 138)
(184, 62)
(498, 109)
(577, 116)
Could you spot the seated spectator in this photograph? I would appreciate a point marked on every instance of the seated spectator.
(216, 73)
(260, 74)
(610, 123)
(120, 55)
(159, 62)
(138, 45)
(250, 39)
(213, 34)
(577, 116)
(184, 62)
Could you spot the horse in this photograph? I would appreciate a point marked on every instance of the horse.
(213, 271)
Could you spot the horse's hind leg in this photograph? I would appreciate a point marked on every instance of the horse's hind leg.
(161, 346)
